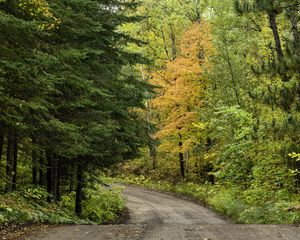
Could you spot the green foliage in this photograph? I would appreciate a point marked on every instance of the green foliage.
(34, 194)
(295, 155)
(73, 84)
(245, 136)
(67, 201)
(276, 213)
(228, 202)
(19, 209)
(70, 97)
(29, 206)
(103, 205)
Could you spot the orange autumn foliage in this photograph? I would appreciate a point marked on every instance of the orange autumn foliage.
(182, 87)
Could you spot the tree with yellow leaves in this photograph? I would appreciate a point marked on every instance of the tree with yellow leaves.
(181, 92)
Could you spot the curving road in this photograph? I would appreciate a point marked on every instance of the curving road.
(158, 216)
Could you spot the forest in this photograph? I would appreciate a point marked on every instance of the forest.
(198, 97)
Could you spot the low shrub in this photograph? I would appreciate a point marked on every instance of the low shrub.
(29, 206)
(103, 205)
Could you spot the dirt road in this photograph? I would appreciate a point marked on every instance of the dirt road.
(157, 216)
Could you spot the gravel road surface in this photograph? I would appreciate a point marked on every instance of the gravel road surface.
(158, 216)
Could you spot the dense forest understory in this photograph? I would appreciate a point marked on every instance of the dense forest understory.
(199, 97)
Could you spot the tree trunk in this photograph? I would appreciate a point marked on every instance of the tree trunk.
(41, 169)
(232, 75)
(56, 180)
(197, 11)
(57, 187)
(181, 160)
(15, 164)
(165, 42)
(272, 19)
(71, 177)
(2, 139)
(1, 145)
(9, 161)
(273, 25)
(79, 190)
(208, 144)
(173, 41)
(152, 141)
(49, 175)
(153, 155)
(55, 169)
(34, 163)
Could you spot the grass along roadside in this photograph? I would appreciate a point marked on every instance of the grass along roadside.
(233, 202)
(27, 207)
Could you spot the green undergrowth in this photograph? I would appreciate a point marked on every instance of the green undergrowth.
(103, 206)
(29, 206)
(241, 206)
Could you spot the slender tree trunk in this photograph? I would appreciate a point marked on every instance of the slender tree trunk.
(153, 155)
(9, 161)
(34, 163)
(165, 42)
(71, 177)
(208, 144)
(273, 25)
(41, 169)
(151, 144)
(197, 11)
(232, 75)
(49, 175)
(79, 190)
(1, 146)
(58, 180)
(211, 177)
(55, 168)
(2, 138)
(15, 164)
(173, 41)
(181, 158)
